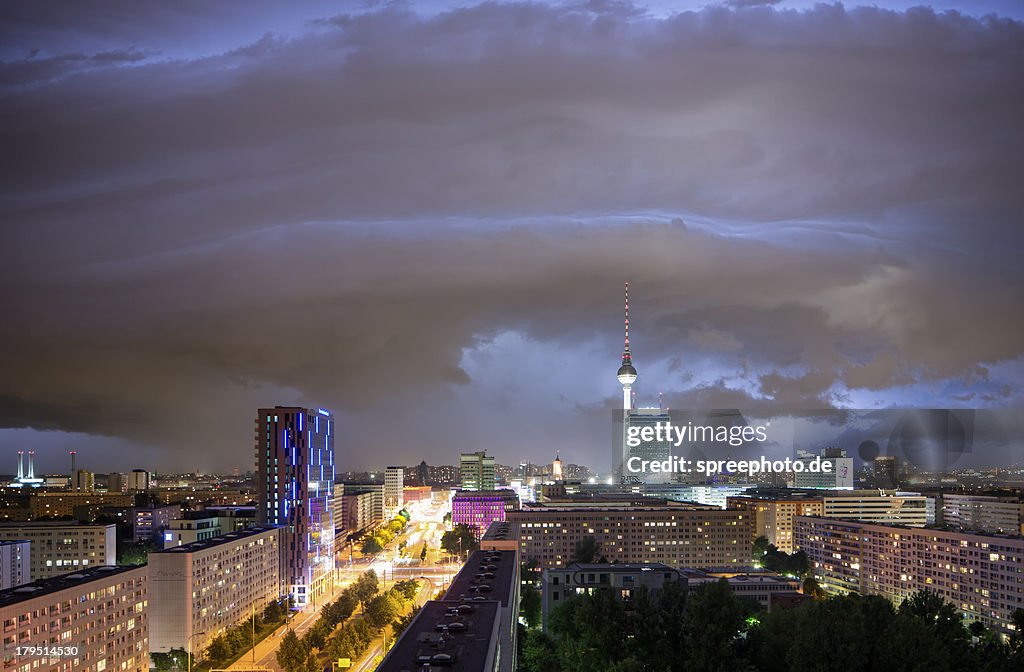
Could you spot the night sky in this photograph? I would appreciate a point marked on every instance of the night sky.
(421, 215)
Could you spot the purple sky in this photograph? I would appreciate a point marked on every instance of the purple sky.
(422, 219)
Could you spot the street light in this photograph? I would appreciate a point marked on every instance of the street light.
(189, 642)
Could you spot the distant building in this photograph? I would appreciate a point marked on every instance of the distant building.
(199, 590)
(138, 480)
(878, 506)
(761, 587)
(116, 482)
(394, 496)
(772, 518)
(982, 513)
(15, 565)
(476, 471)
(295, 490)
(979, 574)
(423, 473)
(61, 504)
(839, 476)
(621, 579)
(100, 610)
(886, 470)
(62, 547)
(360, 506)
(83, 480)
(673, 533)
(478, 509)
(184, 531)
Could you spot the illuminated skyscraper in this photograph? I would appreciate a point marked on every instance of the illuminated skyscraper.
(295, 482)
(394, 485)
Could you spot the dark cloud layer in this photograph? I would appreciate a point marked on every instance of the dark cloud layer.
(343, 217)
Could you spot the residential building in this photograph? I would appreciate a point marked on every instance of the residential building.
(138, 480)
(772, 518)
(62, 547)
(981, 575)
(295, 490)
(15, 565)
(61, 504)
(199, 590)
(984, 513)
(674, 533)
(100, 612)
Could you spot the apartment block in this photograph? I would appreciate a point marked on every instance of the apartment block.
(982, 575)
(15, 563)
(772, 518)
(62, 547)
(98, 615)
(199, 590)
(674, 533)
(981, 513)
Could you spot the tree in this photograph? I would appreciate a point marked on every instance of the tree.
(219, 648)
(459, 541)
(760, 548)
(291, 654)
(402, 622)
(587, 550)
(372, 546)
(530, 606)
(714, 618)
(365, 587)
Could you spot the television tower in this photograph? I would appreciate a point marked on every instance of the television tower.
(627, 374)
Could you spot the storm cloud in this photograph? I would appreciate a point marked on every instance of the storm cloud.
(423, 222)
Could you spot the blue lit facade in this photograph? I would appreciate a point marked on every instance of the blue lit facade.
(295, 480)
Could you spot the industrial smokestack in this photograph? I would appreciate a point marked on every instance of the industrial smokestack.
(72, 453)
(31, 464)
(21, 464)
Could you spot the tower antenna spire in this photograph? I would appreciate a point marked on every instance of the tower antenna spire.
(627, 374)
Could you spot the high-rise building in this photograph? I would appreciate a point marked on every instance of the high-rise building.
(423, 473)
(295, 490)
(83, 480)
(476, 471)
(100, 613)
(138, 480)
(394, 483)
(116, 482)
(978, 574)
(886, 470)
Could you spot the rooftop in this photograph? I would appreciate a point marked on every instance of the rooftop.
(55, 584)
(204, 544)
(453, 635)
(486, 574)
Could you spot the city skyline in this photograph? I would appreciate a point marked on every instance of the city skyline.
(421, 219)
